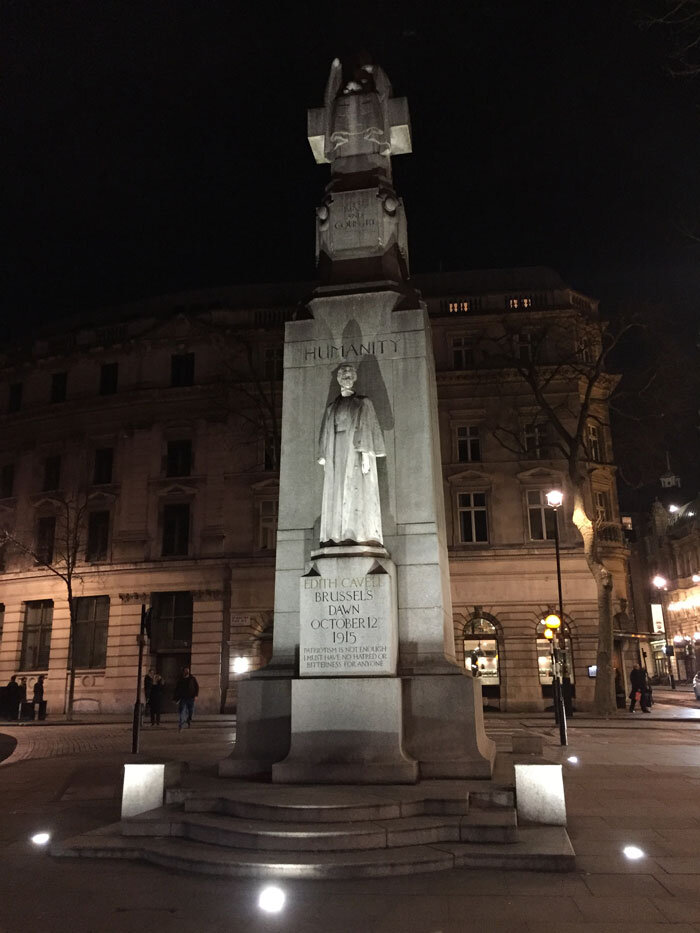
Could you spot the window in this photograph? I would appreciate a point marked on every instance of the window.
(36, 635)
(45, 539)
(267, 524)
(182, 369)
(594, 442)
(90, 637)
(602, 506)
(104, 460)
(273, 361)
(7, 481)
(109, 378)
(522, 301)
(535, 440)
(468, 444)
(462, 352)
(473, 524)
(458, 307)
(179, 458)
(14, 401)
(172, 620)
(481, 651)
(52, 473)
(541, 517)
(59, 384)
(176, 529)
(522, 346)
(544, 657)
(98, 536)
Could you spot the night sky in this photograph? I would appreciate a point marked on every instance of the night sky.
(154, 147)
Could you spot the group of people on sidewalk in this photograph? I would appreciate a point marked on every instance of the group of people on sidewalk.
(185, 694)
(13, 698)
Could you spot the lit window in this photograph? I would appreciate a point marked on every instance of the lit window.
(458, 307)
(513, 303)
(541, 518)
(468, 444)
(544, 657)
(473, 522)
(602, 506)
(526, 302)
(594, 442)
(481, 651)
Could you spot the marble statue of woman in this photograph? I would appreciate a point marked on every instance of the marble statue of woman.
(349, 444)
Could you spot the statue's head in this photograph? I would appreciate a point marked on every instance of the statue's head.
(346, 376)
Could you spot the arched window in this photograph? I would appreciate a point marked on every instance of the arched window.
(544, 656)
(481, 651)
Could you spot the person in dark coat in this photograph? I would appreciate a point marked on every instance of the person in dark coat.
(638, 682)
(38, 695)
(186, 692)
(14, 698)
(155, 701)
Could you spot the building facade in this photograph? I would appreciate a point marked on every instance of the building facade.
(146, 446)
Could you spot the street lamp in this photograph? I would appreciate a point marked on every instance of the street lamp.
(661, 583)
(555, 498)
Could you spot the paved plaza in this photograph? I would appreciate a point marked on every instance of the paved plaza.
(636, 782)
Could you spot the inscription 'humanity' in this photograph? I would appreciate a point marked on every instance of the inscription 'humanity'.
(329, 351)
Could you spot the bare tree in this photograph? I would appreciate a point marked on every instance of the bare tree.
(59, 553)
(564, 366)
(681, 18)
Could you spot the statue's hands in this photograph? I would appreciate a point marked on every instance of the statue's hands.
(366, 462)
(322, 461)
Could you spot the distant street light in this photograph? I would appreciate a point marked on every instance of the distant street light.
(661, 583)
(554, 500)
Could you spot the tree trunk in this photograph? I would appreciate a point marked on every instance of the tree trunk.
(604, 701)
(71, 657)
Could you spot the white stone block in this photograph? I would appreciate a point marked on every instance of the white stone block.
(143, 788)
(539, 794)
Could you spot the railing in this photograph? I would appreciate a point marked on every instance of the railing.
(610, 533)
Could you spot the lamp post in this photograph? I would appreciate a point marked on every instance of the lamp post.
(660, 584)
(554, 500)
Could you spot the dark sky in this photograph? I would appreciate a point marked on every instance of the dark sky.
(157, 146)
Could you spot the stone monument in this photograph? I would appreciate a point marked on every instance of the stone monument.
(363, 686)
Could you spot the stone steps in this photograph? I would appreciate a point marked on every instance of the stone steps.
(484, 826)
(539, 849)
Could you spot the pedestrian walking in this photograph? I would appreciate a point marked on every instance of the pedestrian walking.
(640, 688)
(155, 702)
(186, 692)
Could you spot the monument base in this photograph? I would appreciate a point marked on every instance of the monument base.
(443, 726)
(346, 731)
(262, 727)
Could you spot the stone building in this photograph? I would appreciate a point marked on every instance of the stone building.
(152, 431)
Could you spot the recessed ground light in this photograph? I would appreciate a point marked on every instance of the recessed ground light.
(40, 839)
(572, 759)
(633, 852)
(271, 900)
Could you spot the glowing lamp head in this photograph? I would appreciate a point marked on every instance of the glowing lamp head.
(40, 839)
(552, 621)
(673, 509)
(633, 852)
(548, 634)
(678, 639)
(555, 497)
(659, 582)
(696, 578)
(240, 665)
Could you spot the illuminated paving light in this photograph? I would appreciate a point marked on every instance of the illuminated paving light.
(572, 759)
(271, 900)
(40, 839)
(633, 852)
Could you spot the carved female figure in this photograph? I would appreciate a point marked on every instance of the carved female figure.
(349, 444)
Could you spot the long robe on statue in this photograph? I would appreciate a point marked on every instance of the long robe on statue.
(350, 510)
